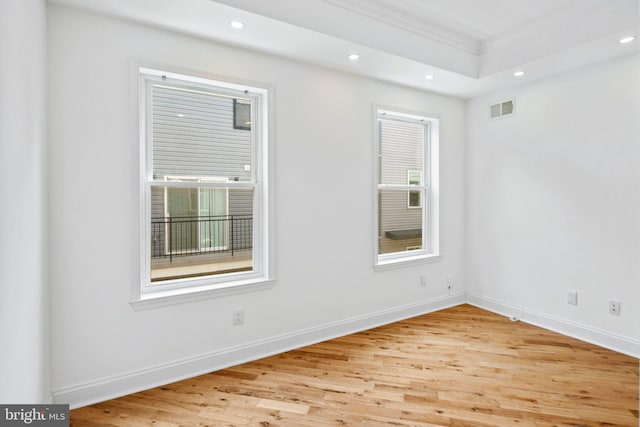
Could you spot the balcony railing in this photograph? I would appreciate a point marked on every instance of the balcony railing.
(192, 235)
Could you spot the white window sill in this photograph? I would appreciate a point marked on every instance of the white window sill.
(405, 261)
(178, 296)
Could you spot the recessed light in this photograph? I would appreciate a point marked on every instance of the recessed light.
(628, 39)
(353, 57)
(429, 77)
(519, 73)
(237, 25)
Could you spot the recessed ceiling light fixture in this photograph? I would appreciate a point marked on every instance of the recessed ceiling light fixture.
(429, 77)
(519, 73)
(627, 39)
(353, 57)
(237, 24)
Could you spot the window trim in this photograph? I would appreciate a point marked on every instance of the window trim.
(144, 293)
(430, 191)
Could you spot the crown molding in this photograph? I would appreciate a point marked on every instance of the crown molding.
(555, 18)
(371, 9)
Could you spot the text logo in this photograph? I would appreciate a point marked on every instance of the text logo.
(34, 415)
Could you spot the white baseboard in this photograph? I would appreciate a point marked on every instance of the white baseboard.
(144, 379)
(566, 327)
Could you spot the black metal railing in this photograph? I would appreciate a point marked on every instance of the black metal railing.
(191, 235)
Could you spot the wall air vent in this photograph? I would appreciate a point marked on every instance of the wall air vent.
(501, 109)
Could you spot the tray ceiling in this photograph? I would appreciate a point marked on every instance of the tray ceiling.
(470, 46)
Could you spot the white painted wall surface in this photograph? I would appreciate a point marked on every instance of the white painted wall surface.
(553, 200)
(323, 201)
(24, 347)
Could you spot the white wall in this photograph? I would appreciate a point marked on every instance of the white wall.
(553, 202)
(24, 376)
(323, 201)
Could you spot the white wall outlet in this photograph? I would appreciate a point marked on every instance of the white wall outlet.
(450, 283)
(614, 307)
(572, 298)
(423, 280)
(238, 317)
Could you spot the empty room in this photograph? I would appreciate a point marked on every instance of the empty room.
(320, 212)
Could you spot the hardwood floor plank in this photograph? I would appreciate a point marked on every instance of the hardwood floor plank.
(278, 405)
(458, 367)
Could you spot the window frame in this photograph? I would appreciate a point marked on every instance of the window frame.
(430, 190)
(148, 294)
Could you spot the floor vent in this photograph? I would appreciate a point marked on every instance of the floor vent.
(501, 109)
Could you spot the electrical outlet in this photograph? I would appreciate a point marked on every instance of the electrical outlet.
(572, 298)
(238, 317)
(450, 283)
(423, 280)
(614, 307)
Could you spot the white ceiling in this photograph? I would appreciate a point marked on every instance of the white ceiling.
(470, 46)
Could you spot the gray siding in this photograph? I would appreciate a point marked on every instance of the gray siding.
(193, 135)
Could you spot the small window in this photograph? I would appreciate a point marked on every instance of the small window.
(414, 178)
(204, 188)
(407, 187)
(241, 114)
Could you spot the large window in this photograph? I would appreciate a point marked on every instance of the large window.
(204, 173)
(406, 184)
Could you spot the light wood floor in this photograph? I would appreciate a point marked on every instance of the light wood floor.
(457, 367)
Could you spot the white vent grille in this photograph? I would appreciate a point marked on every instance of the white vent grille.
(501, 109)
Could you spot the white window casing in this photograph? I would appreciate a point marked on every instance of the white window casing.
(406, 228)
(174, 113)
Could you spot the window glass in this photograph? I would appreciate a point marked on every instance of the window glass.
(194, 134)
(401, 149)
(399, 227)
